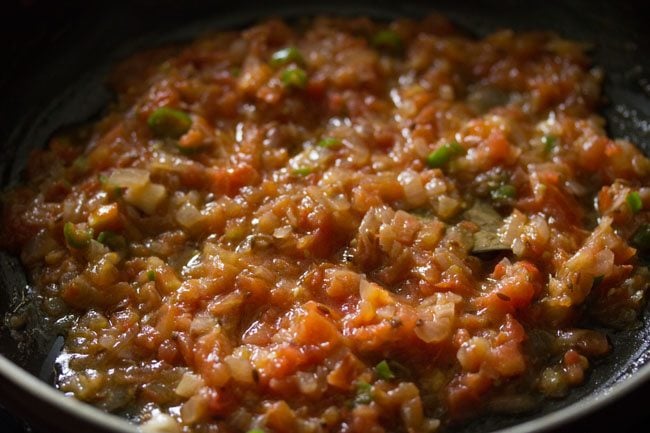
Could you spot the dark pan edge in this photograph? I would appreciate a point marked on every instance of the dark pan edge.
(583, 407)
(22, 386)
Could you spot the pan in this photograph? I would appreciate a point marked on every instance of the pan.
(58, 56)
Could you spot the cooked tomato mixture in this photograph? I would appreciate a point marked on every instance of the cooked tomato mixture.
(336, 225)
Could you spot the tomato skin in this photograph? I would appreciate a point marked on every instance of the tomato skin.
(229, 181)
(515, 288)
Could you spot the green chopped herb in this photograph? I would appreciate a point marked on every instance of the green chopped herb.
(634, 202)
(549, 143)
(294, 78)
(235, 71)
(387, 39)
(444, 154)
(80, 165)
(75, 236)
(112, 240)
(256, 430)
(641, 238)
(285, 56)
(151, 275)
(234, 233)
(302, 171)
(329, 143)
(503, 193)
(108, 187)
(103, 236)
(399, 369)
(364, 393)
(383, 371)
(169, 123)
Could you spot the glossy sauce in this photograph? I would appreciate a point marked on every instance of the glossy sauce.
(341, 226)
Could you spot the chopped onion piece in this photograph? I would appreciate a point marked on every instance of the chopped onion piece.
(307, 382)
(194, 409)
(146, 197)
(226, 303)
(188, 215)
(96, 251)
(188, 386)
(161, 423)
(240, 369)
(339, 203)
(282, 232)
(128, 177)
(435, 323)
(202, 324)
(414, 191)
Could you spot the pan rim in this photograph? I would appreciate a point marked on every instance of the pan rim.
(36, 388)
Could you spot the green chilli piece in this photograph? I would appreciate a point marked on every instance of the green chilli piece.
(364, 393)
(285, 56)
(302, 171)
(634, 201)
(80, 165)
(641, 238)
(168, 122)
(77, 237)
(151, 275)
(256, 430)
(112, 240)
(549, 142)
(387, 39)
(329, 143)
(383, 371)
(294, 78)
(503, 193)
(115, 191)
(444, 154)
(234, 233)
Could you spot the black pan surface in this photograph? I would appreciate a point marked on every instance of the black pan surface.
(58, 55)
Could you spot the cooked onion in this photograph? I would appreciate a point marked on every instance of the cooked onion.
(161, 423)
(194, 409)
(240, 369)
(307, 382)
(202, 324)
(146, 197)
(435, 323)
(226, 303)
(339, 202)
(188, 215)
(413, 189)
(282, 232)
(188, 386)
(128, 177)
